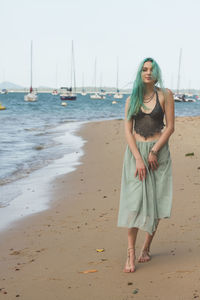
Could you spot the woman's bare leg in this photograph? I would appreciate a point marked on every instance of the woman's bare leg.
(145, 252)
(130, 262)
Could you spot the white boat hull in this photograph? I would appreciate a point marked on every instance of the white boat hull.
(177, 99)
(97, 96)
(68, 96)
(54, 93)
(31, 97)
(118, 96)
(190, 100)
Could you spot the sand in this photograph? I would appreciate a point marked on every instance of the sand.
(44, 256)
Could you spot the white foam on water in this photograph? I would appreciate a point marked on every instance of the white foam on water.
(32, 194)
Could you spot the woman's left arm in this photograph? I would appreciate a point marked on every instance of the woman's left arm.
(169, 129)
(169, 117)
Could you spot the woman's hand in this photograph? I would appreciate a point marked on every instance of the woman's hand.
(140, 169)
(153, 161)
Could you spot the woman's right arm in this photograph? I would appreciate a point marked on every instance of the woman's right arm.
(140, 166)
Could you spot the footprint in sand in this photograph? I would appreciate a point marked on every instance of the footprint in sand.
(178, 272)
(41, 250)
(195, 294)
(15, 252)
(25, 253)
(3, 291)
(172, 252)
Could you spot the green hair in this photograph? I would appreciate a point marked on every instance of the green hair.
(136, 99)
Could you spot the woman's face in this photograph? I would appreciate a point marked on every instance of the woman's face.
(147, 72)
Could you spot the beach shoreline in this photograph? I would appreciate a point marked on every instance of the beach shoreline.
(30, 194)
(44, 254)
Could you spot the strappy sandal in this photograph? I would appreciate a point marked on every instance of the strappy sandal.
(141, 257)
(129, 269)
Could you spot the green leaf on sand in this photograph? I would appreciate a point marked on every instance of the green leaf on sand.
(135, 291)
(189, 154)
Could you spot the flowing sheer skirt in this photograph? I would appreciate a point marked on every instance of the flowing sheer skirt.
(142, 203)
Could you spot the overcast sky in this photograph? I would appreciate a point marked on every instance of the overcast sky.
(105, 29)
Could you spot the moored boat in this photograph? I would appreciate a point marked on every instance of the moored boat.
(67, 93)
(190, 100)
(54, 92)
(4, 91)
(96, 96)
(2, 107)
(31, 96)
(117, 95)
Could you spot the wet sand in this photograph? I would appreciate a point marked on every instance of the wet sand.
(44, 256)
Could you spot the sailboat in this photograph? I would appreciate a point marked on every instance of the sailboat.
(67, 93)
(179, 97)
(102, 92)
(117, 95)
(31, 96)
(55, 91)
(96, 94)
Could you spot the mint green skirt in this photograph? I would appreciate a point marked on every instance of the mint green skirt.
(142, 203)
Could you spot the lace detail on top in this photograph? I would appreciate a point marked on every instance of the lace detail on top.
(147, 124)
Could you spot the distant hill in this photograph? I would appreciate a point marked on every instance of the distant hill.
(10, 86)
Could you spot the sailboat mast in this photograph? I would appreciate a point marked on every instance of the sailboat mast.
(101, 81)
(31, 64)
(95, 71)
(83, 82)
(73, 67)
(179, 68)
(189, 87)
(56, 76)
(117, 73)
(71, 75)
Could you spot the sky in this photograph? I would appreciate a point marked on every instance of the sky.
(104, 30)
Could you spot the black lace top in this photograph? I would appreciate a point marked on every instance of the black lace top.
(147, 124)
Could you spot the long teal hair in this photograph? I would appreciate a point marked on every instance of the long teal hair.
(138, 91)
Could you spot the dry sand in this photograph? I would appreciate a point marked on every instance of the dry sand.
(42, 257)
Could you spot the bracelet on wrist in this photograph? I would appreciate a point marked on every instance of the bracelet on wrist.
(154, 152)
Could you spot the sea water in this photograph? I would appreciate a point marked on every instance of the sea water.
(42, 134)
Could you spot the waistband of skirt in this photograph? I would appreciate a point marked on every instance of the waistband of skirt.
(149, 144)
(146, 142)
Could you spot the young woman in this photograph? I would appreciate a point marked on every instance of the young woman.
(146, 187)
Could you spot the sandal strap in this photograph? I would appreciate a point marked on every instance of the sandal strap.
(130, 248)
(128, 251)
(128, 254)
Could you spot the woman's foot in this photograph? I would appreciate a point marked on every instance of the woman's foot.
(130, 262)
(144, 256)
